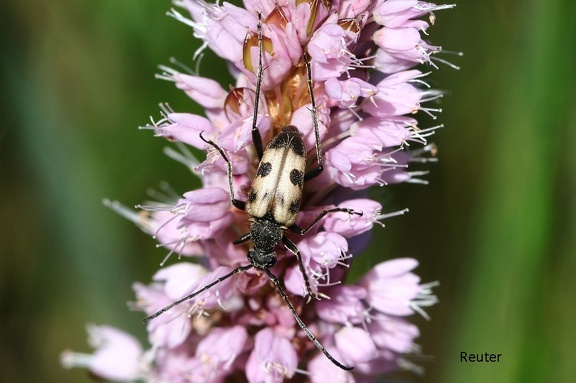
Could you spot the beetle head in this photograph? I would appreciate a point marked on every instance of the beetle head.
(261, 259)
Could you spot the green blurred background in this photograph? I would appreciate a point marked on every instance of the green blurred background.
(495, 226)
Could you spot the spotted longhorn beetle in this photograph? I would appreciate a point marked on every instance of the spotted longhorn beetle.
(274, 201)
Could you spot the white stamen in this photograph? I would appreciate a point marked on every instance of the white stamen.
(424, 298)
(185, 157)
(183, 66)
(143, 222)
(70, 359)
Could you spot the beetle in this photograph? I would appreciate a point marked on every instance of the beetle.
(274, 201)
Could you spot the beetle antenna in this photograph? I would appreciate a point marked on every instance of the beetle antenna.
(256, 138)
(301, 323)
(320, 163)
(240, 269)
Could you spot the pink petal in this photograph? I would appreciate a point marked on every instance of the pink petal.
(117, 356)
(355, 345)
(272, 360)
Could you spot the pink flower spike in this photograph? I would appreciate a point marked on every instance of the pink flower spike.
(318, 110)
(272, 360)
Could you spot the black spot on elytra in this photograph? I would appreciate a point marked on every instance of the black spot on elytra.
(264, 169)
(297, 178)
(297, 146)
(294, 206)
(289, 137)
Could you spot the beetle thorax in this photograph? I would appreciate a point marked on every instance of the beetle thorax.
(266, 234)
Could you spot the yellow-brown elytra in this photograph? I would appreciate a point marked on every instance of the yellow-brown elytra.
(274, 201)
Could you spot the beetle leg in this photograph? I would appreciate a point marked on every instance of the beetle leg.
(242, 239)
(294, 249)
(301, 323)
(298, 230)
